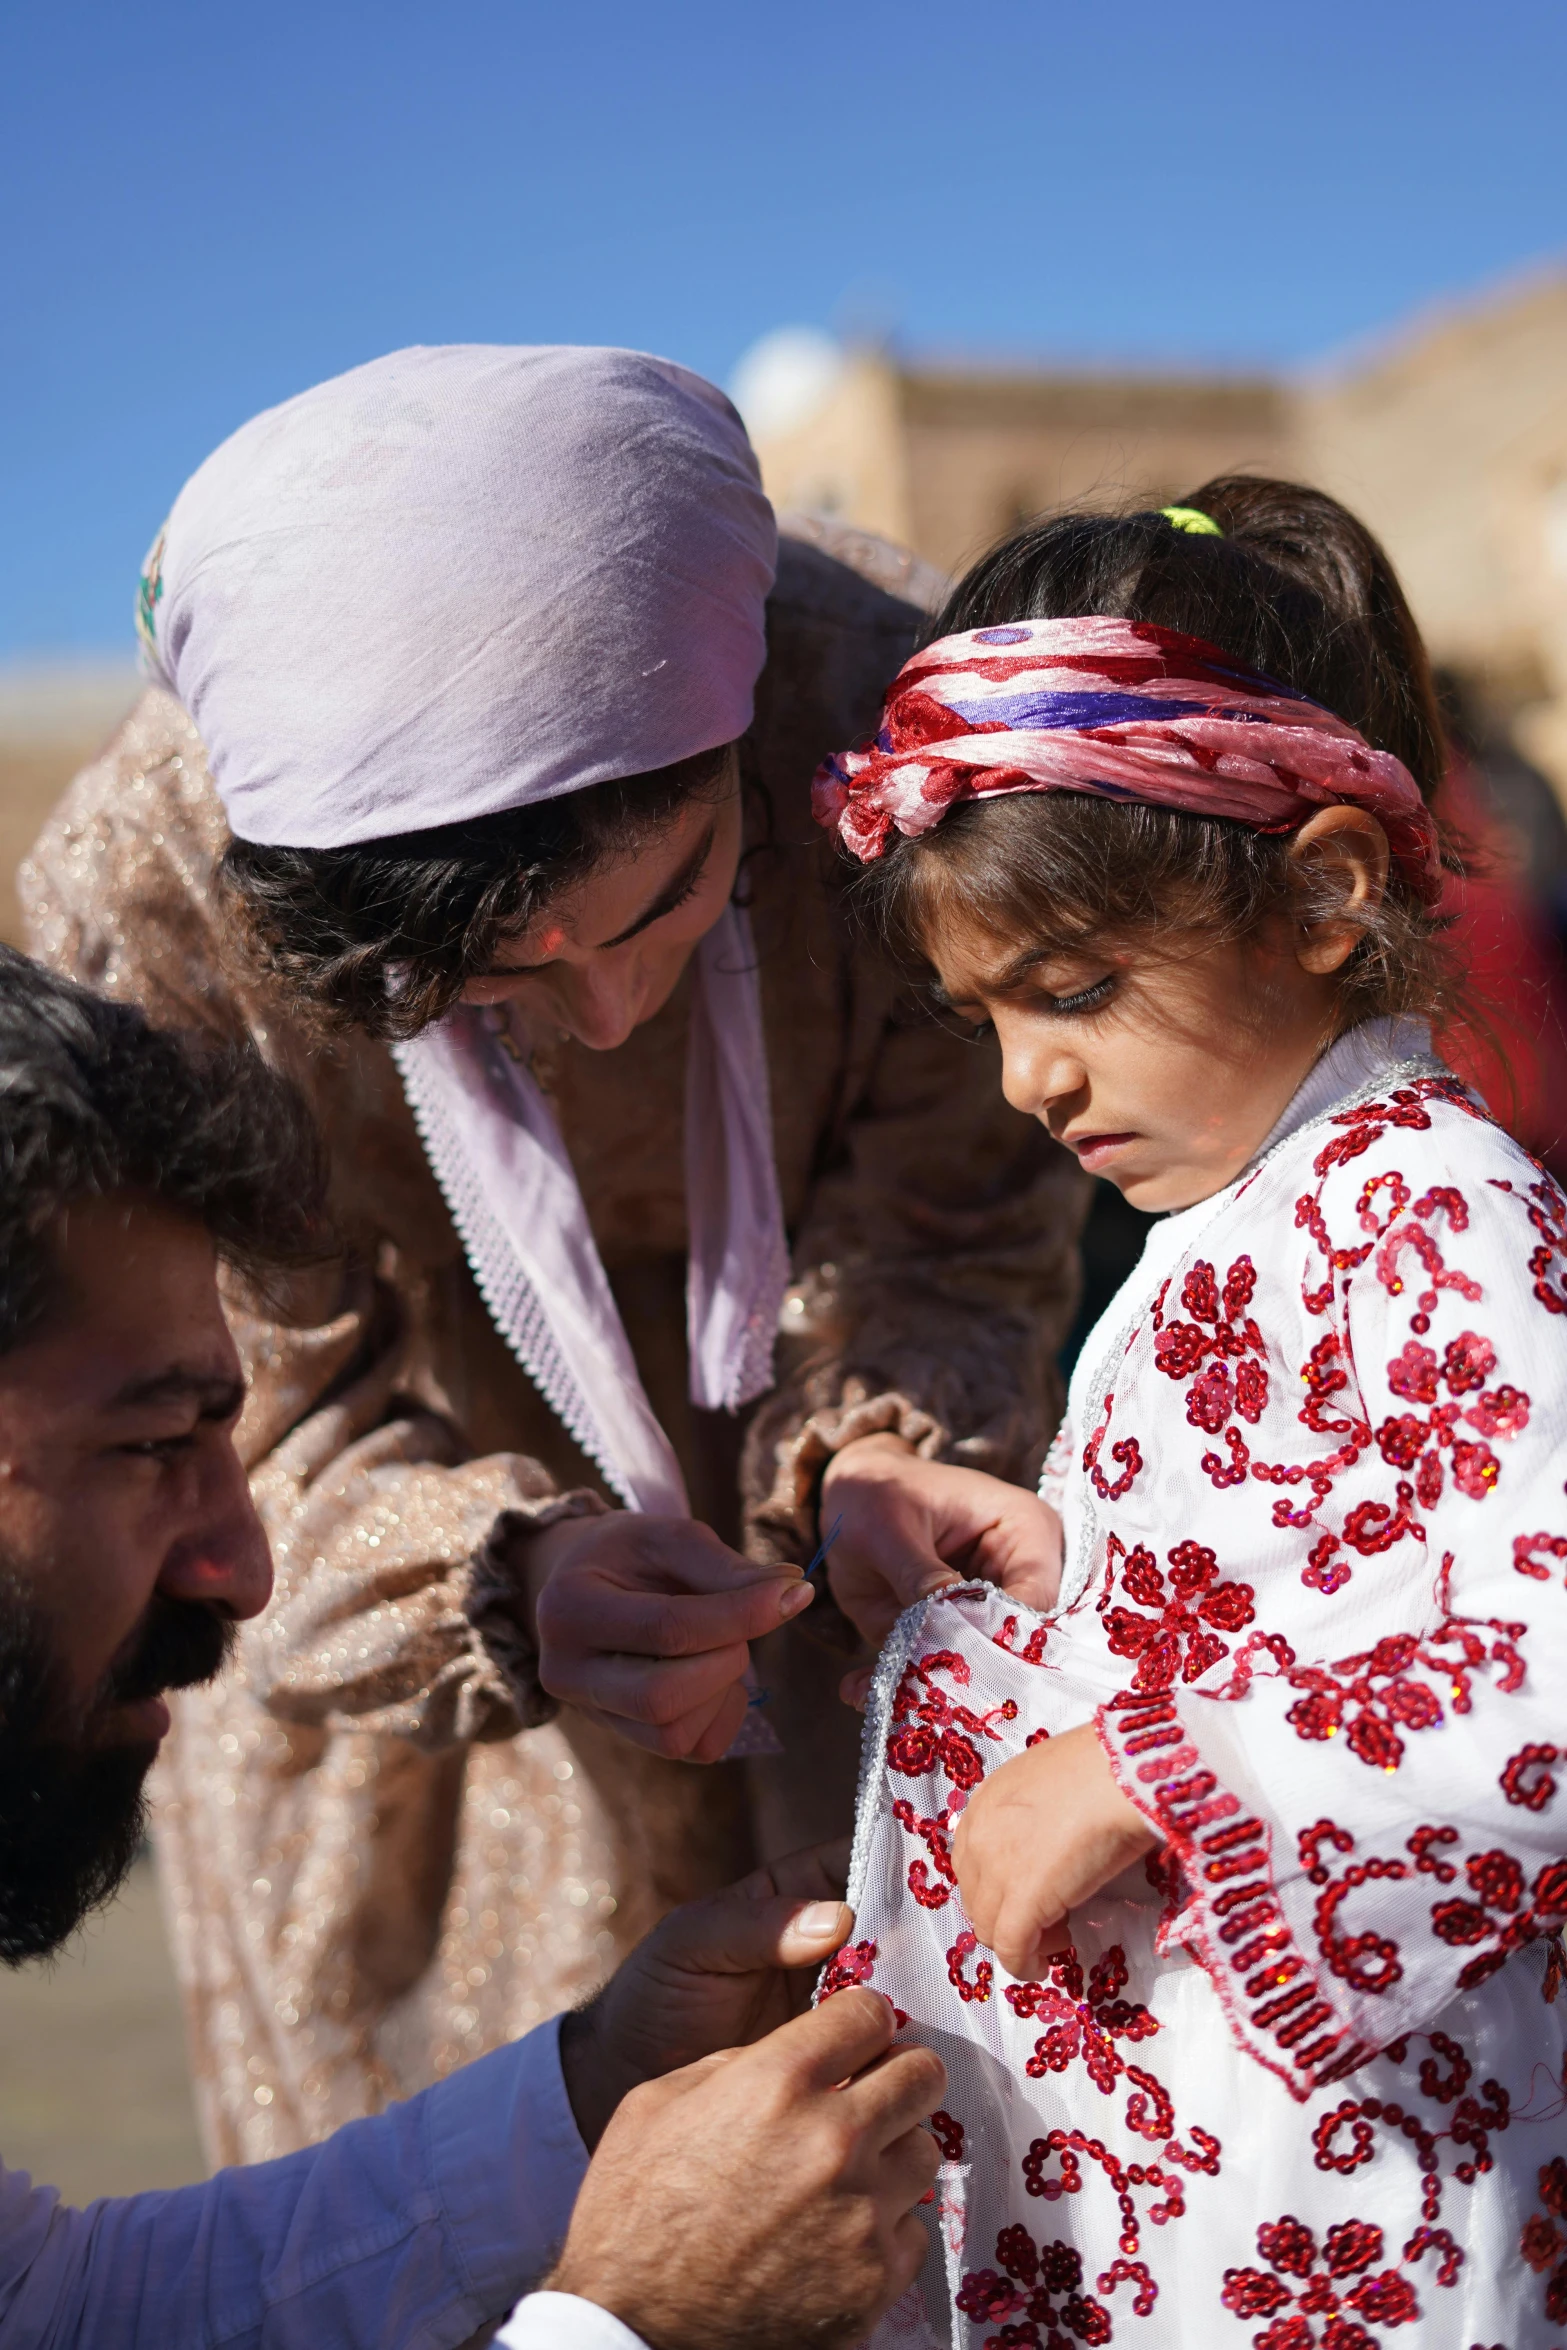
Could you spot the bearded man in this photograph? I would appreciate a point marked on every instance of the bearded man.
(760, 2194)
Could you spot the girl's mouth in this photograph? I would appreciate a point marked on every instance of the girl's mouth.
(1096, 1151)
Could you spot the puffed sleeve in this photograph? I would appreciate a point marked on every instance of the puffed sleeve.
(1365, 1838)
(399, 1556)
(937, 1280)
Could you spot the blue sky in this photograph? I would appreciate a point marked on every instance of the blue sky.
(208, 207)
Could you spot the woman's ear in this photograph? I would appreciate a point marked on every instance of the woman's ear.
(1339, 861)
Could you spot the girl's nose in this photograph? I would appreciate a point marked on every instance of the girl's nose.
(1036, 1074)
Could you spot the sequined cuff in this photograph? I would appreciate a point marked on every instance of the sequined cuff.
(496, 1603)
(782, 1528)
(1221, 1898)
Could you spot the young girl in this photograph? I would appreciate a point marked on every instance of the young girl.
(1231, 1887)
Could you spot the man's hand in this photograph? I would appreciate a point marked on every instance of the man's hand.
(643, 1623)
(715, 1974)
(911, 1526)
(1042, 1834)
(766, 2196)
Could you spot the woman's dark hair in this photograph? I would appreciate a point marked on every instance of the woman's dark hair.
(383, 936)
(1295, 589)
(94, 1101)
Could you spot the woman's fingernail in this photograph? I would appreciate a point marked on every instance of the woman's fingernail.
(797, 1595)
(819, 1918)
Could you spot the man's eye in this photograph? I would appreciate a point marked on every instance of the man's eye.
(160, 1448)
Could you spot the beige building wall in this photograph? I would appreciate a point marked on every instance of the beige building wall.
(1424, 441)
(947, 461)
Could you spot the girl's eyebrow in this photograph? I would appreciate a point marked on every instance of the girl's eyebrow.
(1013, 974)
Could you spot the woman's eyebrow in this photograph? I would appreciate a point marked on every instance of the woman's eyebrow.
(667, 899)
(670, 895)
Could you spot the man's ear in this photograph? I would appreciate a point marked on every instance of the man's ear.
(1339, 860)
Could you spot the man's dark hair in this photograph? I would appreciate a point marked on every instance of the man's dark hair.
(383, 935)
(94, 1100)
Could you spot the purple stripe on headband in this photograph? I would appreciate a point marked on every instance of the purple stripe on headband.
(1050, 712)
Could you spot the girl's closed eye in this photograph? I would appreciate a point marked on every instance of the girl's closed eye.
(1082, 999)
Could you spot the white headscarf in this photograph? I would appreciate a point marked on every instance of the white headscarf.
(460, 580)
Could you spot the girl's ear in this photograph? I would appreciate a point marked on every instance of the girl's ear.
(1339, 861)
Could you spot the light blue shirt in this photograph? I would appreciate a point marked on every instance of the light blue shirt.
(407, 2232)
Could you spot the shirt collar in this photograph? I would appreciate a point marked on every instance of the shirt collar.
(1358, 1059)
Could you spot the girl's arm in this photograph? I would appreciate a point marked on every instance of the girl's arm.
(1366, 1837)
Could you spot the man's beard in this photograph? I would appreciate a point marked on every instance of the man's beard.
(72, 1805)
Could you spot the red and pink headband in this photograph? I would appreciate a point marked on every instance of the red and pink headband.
(1118, 708)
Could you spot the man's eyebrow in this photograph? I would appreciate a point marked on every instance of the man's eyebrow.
(214, 1394)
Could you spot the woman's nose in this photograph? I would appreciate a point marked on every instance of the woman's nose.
(600, 1007)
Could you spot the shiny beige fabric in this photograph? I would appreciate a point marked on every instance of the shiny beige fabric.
(383, 1856)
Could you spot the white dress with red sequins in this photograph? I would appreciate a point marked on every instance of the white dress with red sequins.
(1301, 2082)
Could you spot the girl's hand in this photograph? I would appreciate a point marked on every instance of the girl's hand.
(644, 1624)
(909, 1526)
(1042, 1834)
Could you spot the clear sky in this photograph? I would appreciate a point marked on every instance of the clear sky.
(208, 206)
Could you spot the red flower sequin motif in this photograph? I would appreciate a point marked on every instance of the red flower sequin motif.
(1084, 2020)
(1320, 2286)
(1416, 1440)
(1497, 1883)
(1191, 1606)
(1375, 1697)
(1035, 2294)
(1544, 2241)
(1221, 1331)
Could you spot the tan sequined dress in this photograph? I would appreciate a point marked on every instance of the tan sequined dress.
(384, 1853)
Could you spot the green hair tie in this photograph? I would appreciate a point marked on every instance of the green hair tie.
(1189, 518)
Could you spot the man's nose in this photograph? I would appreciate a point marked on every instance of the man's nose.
(223, 1558)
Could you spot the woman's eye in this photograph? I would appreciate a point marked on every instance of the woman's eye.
(1087, 999)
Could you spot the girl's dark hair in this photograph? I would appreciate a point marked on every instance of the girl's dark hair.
(383, 936)
(1295, 589)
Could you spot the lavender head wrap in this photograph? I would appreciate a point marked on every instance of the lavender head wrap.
(457, 581)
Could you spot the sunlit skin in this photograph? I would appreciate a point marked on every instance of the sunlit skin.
(608, 954)
(1164, 1065)
(118, 1472)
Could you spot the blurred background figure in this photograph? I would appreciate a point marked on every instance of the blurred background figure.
(953, 272)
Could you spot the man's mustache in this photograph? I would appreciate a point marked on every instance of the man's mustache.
(178, 1643)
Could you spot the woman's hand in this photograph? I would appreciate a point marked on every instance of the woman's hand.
(643, 1624)
(1040, 1836)
(910, 1526)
